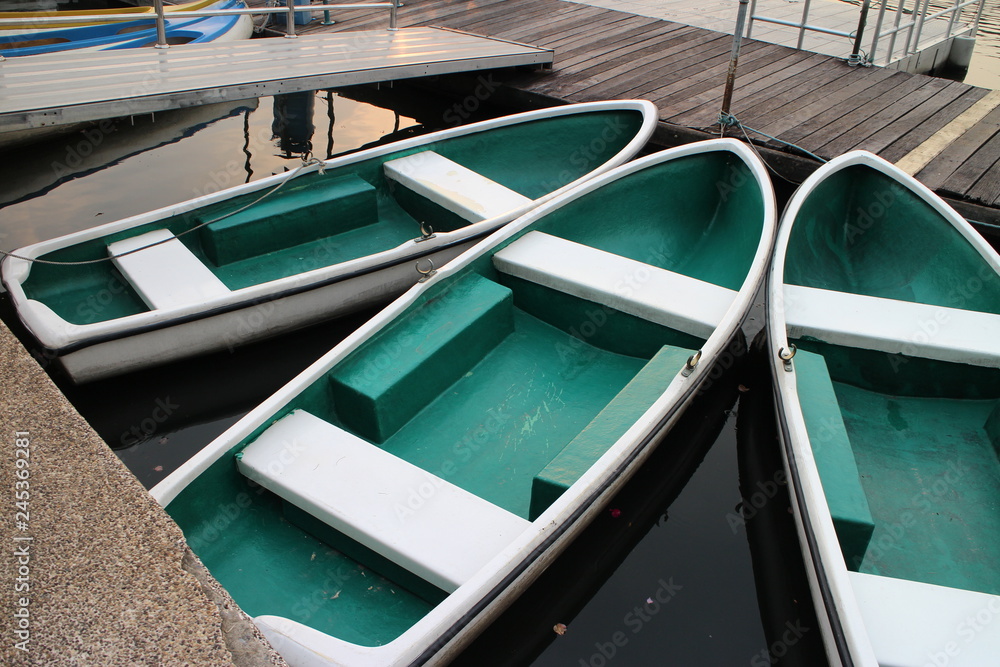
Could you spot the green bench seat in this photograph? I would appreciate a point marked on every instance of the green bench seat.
(604, 430)
(838, 469)
(324, 209)
(406, 367)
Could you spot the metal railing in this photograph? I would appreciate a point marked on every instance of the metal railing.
(160, 17)
(913, 27)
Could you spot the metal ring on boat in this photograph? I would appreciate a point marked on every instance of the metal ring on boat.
(786, 354)
(426, 232)
(425, 275)
(691, 363)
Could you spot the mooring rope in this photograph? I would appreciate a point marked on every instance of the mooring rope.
(729, 120)
(307, 161)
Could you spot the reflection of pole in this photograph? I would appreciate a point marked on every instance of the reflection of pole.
(333, 119)
(856, 58)
(727, 97)
(246, 145)
(293, 122)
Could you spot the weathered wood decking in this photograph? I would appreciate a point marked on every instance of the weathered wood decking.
(815, 101)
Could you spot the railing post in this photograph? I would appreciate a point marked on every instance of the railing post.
(802, 27)
(895, 32)
(753, 12)
(290, 20)
(161, 26)
(979, 15)
(856, 58)
(878, 31)
(392, 14)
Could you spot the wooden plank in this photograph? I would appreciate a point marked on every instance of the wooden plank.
(711, 74)
(663, 45)
(599, 43)
(867, 119)
(961, 150)
(711, 91)
(529, 14)
(817, 101)
(840, 106)
(932, 124)
(772, 81)
(681, 57)
(711, 68)
(792, 98)
(545, 24)
(978, 178)
(942, 92)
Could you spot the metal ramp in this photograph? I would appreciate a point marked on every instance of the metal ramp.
(47, 90)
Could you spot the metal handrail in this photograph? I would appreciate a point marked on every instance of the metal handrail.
(913, 27)
(160, 17)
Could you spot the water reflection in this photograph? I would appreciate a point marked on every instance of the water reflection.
(112, 170)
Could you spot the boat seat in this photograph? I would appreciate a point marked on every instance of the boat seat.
(167, 275)
(604, 430)
(890, 325)
(326, 207)
(663, 297)
(380, 389)
(831, 447)
(461, 191)
(415, 519)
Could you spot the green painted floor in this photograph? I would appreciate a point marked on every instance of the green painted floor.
(932, 477)
(495, 428)
(274, 568)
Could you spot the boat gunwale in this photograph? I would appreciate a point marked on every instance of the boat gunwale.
(15, 272)
(446, 627)
(846, 634)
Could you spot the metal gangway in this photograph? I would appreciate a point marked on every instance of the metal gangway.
(41, 91)
(900, 33)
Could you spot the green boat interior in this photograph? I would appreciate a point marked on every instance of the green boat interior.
(842, 233)
(906, 438)
(360, 209)
(910, 462)
(476, 408)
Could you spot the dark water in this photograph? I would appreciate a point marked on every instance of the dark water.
(669, 580)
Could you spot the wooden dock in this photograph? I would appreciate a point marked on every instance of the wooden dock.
(815, 101)
(53, 89)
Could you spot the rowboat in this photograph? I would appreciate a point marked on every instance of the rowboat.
(129, 34)
(884, 328)
(297, 248)
(110, 13)
(385, 505)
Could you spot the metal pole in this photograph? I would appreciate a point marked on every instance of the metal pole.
(161, 27)
(856, 58)
(878, 31)
(979, 14)
(753, 12)
(392, 14)
(290, 20)
(727, 97)
(802, 26)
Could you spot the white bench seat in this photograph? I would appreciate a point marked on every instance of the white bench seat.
(664, 297)
(890, 325)
(419, 521)
(462, 191)
(167, 275)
